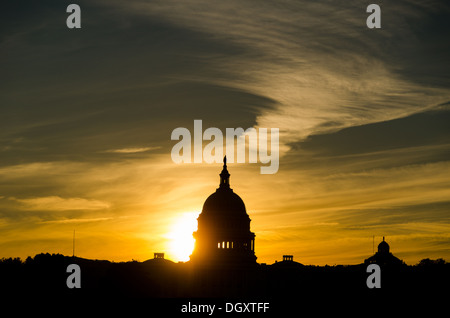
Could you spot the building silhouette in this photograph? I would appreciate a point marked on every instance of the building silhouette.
(223, 235)
(383, 256)
(287, 263)
(158, 255)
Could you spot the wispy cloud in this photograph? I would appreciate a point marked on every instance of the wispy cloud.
(56, 203)
(132, 149)
(77, 221)
(317, 60)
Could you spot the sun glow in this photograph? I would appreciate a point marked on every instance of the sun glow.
(181, 239)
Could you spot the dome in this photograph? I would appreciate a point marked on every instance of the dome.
(383, 247)
(224, 202)
(384, 257)
(223, 234)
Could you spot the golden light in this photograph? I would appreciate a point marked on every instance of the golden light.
(181, 239)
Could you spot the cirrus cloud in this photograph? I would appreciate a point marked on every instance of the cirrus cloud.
(56, 203)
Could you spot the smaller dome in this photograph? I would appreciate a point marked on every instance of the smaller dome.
(383, 247)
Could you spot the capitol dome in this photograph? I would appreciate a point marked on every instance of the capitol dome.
(223, 234)
(224, 202)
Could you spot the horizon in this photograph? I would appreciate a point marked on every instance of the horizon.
(186, 262)
(361, 118)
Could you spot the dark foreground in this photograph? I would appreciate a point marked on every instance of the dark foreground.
(286, 286)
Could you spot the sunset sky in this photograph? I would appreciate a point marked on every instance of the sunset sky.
(86, 117)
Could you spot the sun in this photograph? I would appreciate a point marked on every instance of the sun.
(181, 239)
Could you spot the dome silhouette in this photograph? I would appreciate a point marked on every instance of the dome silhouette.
(224, 202)
(383, 256)
(223, 235)
(383, 247)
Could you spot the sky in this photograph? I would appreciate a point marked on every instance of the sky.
(86, 117)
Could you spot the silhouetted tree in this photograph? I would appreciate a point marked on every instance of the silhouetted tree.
(431, 262)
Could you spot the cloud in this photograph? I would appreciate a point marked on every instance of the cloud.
(132, 150)
(323, 68)
(56, 203)
(314, 63)
(68, 221)
(427, 129)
